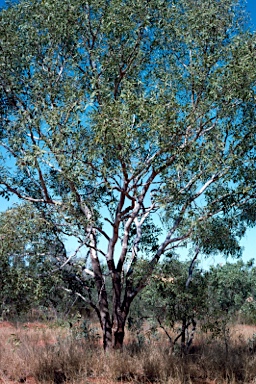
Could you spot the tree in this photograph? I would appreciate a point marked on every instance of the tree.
(229, 287)
(28, 249)
(117, 122)
(180, 293)
(177, 294)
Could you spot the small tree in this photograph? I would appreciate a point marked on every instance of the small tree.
(28, 249)
(177, 296)
(111, 117)
(229, 287)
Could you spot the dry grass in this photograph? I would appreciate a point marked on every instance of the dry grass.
(42, 354)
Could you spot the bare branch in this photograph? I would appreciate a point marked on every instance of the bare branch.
(191, 268)
(100, 230)
(89, 272)
(72, 256)
(28, 198)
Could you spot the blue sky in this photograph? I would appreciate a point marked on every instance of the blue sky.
(251, 7)
(249, 241)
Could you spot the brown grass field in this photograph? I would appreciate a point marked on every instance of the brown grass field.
(46, 353)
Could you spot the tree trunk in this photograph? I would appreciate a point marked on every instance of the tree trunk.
(107, 334)
(112, 338)
(119, 338)
(119, 318)
(183, 336)
(113, 329)
(119, 314)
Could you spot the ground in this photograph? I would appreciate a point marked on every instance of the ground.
(36, 352)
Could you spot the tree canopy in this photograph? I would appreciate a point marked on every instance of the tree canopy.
(118, 117)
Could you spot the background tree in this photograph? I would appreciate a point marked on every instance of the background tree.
(230, 290)
(111, 117)
(28, 251)
(177, 299)
(213, 300)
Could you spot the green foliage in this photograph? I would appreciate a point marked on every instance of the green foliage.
(230, 292)
(177, 298)
(89, 92)
(27, 252)
(168, 297)
(212, 300)
(229, 286)
(221, 235)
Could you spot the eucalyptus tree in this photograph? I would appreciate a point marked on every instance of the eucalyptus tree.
(118, 117)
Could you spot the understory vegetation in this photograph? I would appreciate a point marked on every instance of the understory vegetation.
(198, 327)
(57, 354)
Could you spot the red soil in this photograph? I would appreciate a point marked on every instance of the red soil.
(6, 324)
